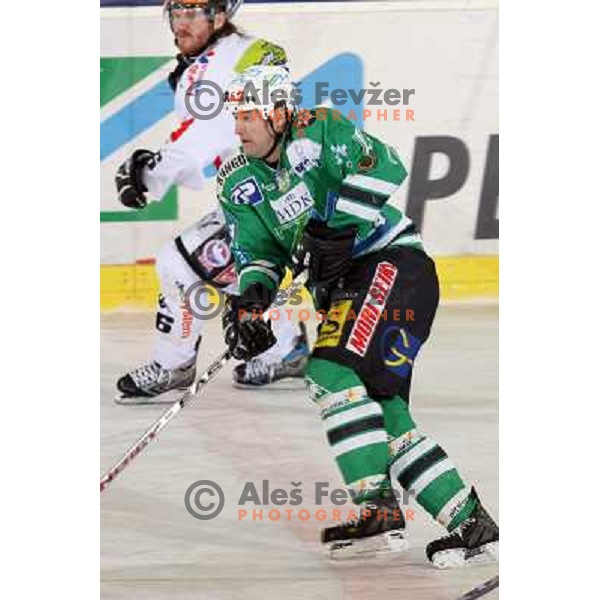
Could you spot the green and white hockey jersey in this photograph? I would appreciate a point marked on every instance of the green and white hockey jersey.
(330, 171)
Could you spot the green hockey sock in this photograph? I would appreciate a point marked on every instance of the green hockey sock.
(422, 467)
(354, 424)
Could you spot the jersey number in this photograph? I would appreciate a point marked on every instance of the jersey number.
(164, 323)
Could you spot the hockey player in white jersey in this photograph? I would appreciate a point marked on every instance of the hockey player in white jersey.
(211, 50)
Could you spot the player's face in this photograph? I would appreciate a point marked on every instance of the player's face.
(254, 132)
(191, 26)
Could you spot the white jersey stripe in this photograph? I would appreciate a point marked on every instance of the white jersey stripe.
(269, 272)
(390, 235)
(352, 414)
(358, 210)
(264, 263)
(370, 183)
(413, 238)
(360, 441)
(433, 473)
(404, 461)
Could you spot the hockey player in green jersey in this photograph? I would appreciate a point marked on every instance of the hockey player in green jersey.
(310, 188)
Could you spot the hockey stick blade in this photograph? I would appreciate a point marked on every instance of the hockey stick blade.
(162, 422)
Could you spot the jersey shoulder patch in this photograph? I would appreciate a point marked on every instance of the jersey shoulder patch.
(229, 167)
(261, 53)
(237, 183)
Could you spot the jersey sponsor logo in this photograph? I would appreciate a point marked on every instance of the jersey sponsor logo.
(215, 254)
(372, 308)
(331, 330)
(195, 72)
(295, 203)
(186, 322)
(398, 350)
(242, 257)
(303, 155)
(247, 193)
(333, 402)
(231, 165)
(303, 166)
(340, 152)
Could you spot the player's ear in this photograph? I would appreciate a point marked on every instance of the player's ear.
(280, 118)
(220, 20)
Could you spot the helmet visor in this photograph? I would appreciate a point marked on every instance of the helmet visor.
(184, 12)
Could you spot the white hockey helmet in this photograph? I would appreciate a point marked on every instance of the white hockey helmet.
(262, 88)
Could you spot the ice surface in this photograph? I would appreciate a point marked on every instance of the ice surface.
(151, 548)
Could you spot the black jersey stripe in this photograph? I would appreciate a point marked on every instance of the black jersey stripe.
(350, 429)
(357, 195)
(420, 466)
(409, 230)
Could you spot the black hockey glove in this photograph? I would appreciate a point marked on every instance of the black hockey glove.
(130, 185)
(246, 333)
(329, 250)
(328, 254)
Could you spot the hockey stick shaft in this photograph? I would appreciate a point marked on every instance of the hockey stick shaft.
(162, 422)
(482, 590)
(170, 414)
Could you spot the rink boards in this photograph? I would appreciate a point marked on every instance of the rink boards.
(445, 51)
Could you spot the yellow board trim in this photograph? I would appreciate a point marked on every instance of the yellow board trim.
(461, 278)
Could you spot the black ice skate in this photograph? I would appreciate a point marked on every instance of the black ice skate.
(258, 372)
(475, 541)
(378, 530)
(147, 383)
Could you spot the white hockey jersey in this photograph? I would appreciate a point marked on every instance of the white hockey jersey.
(196, 144)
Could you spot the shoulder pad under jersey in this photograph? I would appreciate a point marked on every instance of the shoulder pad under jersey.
(261, 52)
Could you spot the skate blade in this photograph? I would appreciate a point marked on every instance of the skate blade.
(452, 559)
(166, 398)
(387, 543)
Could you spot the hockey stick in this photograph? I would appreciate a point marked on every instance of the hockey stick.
(160, 423)
(482, 590)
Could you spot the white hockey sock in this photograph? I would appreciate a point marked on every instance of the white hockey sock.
(177, 329)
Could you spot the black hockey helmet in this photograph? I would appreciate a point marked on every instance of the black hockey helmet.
(210, 7)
